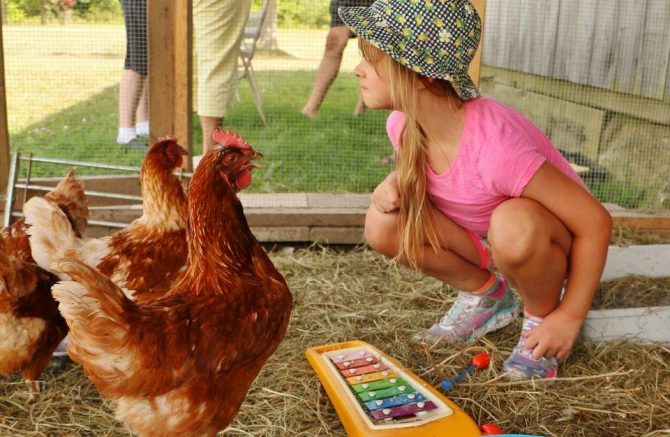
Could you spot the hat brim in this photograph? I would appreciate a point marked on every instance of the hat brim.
(366, 23)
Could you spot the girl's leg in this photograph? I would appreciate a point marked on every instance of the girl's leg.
(531, 248)
(485, 304)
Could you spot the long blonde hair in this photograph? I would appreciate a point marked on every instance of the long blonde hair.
(416, 225)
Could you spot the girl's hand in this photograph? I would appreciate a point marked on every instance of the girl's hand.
(555, 336)
(386, 197)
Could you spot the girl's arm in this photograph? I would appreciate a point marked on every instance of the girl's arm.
(591, 227)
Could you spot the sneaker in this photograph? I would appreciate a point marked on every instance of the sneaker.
(472, 316)
(521, 364)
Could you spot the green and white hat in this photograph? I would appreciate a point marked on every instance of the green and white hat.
(435, 38)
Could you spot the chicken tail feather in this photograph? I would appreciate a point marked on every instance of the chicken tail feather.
(51, 234)
(96, 311)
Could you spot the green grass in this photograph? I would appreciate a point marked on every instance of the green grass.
(334, 152)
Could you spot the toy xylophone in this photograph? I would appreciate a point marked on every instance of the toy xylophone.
(374, 395)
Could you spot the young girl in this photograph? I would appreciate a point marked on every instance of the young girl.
(477, 187)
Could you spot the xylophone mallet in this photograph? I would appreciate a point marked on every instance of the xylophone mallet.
(480, 361)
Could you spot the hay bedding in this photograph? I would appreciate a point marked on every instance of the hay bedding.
(617, 390)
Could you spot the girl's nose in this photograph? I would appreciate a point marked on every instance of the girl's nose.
(358, 71)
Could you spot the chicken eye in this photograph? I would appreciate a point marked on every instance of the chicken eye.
(231, 157)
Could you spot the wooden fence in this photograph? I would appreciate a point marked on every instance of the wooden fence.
(619, 45)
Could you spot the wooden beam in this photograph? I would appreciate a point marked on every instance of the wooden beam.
(475, 65)
(4, 127)
(170, 67)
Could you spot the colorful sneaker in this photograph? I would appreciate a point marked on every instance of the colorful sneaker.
(472, 316)
(521, 365)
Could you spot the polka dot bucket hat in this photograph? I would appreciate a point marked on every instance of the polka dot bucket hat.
(435, 38)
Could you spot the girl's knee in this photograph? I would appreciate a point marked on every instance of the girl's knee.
(381, 231)
(518, 230)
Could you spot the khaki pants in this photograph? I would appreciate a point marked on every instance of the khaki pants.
(218, 26)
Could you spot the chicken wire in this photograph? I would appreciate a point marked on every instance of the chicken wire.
(593, 75)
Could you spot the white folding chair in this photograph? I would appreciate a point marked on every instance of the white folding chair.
(252, 33)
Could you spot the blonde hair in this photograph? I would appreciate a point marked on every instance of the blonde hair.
(416, 225)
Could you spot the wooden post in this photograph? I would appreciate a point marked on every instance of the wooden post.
(4, 127)
(170, 78)
(475, 65)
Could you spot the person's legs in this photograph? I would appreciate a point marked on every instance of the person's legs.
(142, 112)
(531, 247)
(486, 302)
(336, 41)
(208, 124)
(130, 90)
(218, 27)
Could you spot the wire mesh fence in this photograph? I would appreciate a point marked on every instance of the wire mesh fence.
(593, 75)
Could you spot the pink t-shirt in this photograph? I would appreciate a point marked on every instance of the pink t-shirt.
(499, 153)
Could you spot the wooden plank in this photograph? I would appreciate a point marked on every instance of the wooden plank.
(281, 234)
(601, 71)
(509, 33)
(543, 38)
(170, 67)
(571, 127)
(344, 200)
(528, 14)
(4, 127)
(337, 235)
(475, 65)
(634, 106)
(629, 43)
(578, 67)
(652, 74)
(492, 52)
(568, 10)
(277, 200)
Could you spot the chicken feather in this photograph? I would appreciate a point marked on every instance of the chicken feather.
(147, 255)
(182, 363)
(30, 325)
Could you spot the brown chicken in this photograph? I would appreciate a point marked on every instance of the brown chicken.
(181, 364)
(30, 325)
(150, 254)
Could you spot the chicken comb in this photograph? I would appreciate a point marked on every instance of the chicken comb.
(229, 138)
(167, 138)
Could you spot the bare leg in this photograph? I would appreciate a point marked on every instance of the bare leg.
(208, 124)
(457, 261)
(130, 91)
(142, 113)
(336, 41)
(530, 247)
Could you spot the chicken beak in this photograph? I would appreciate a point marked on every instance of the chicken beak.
(183, 151)
(251, 164)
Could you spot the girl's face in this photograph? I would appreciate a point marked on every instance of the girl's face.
(374, 88)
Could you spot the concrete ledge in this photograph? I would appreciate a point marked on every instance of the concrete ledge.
(644, 324)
